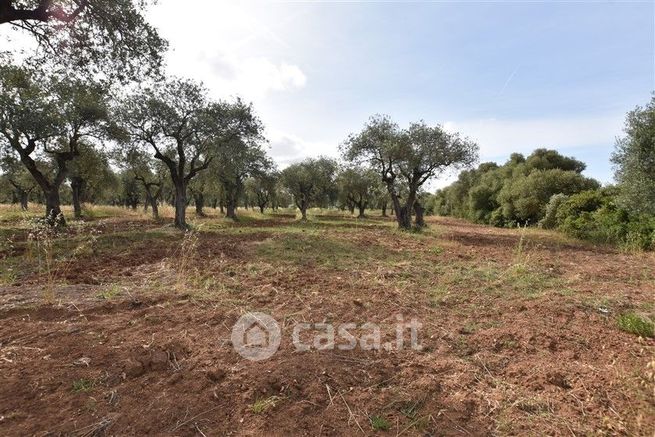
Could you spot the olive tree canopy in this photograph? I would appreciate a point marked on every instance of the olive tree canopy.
(111, 37)
(406, 159)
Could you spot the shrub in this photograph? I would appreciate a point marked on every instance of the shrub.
(550, 217)
(593, 215)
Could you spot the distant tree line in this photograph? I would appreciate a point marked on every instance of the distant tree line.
(547, 189)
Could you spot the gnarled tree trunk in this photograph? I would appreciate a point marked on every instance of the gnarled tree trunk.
(199, 200)
(53, 213)
(419, 221)
(77, 185)
(180, 205)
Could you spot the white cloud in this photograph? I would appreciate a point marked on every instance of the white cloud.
(498, 138)
(234, 48)
(251, 77)
(287, 148)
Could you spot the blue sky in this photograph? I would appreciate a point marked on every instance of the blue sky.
(512, 75)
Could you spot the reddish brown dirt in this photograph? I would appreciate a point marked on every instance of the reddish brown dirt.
(158, 361)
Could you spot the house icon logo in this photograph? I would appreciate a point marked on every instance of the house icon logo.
(256, 336)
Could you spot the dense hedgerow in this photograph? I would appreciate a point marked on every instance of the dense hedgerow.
(514, 193)
(595, 215)
(548, 190)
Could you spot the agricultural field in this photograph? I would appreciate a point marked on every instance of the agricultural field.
(122, 325)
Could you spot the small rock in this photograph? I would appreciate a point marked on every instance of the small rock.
(84, 361)
(159, 360)
(134, 369)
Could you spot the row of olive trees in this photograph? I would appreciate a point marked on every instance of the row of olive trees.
(385, 163)
(56, 126)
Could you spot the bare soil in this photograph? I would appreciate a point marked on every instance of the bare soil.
(518, 335)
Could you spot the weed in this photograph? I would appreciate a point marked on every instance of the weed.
(262, 405)
(82, 385)
(437, 250)
(636, 324)
(110, 293)
(185, 258)
(379, 423)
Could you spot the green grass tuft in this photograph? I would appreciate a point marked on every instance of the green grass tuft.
(262, 405)
(379, 423)
(82, 385)
(637, 325)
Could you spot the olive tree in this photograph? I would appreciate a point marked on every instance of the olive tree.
(171, 120)
(87, 174)
(147, 171)
(111, 37)
(634, 160)
(359, 187)
(407, 159)
(310, 182)
(262, 188)
(17, 177)
(47, 118)
(238, 149)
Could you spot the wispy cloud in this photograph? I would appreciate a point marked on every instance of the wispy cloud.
(509, 79)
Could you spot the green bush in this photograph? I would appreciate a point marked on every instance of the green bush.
(550, 217)
(593, 215)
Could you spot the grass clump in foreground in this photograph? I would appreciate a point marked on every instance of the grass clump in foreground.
(82, 385)
(262, 405)
(637, 325)
(379, 423)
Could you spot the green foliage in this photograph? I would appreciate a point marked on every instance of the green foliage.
(82, 385)
(550, 216)
(524, 199)
(637, 325)
(634, 158)
(516, 192)
(311, 182)
(405, 159)
(379, 423)
(108, 37)
(594, 215)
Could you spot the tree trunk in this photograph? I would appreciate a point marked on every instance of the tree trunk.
(155, 207)
(361, 208)
(303, 211)
(53, 214)
(76, 187)
(231, 210)
(403, 213)
(419, 222)
(222, 208)
(199, 200)
(180, 205)
(384, 209)
(404, 218)
(24, 197)
(261, 209)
